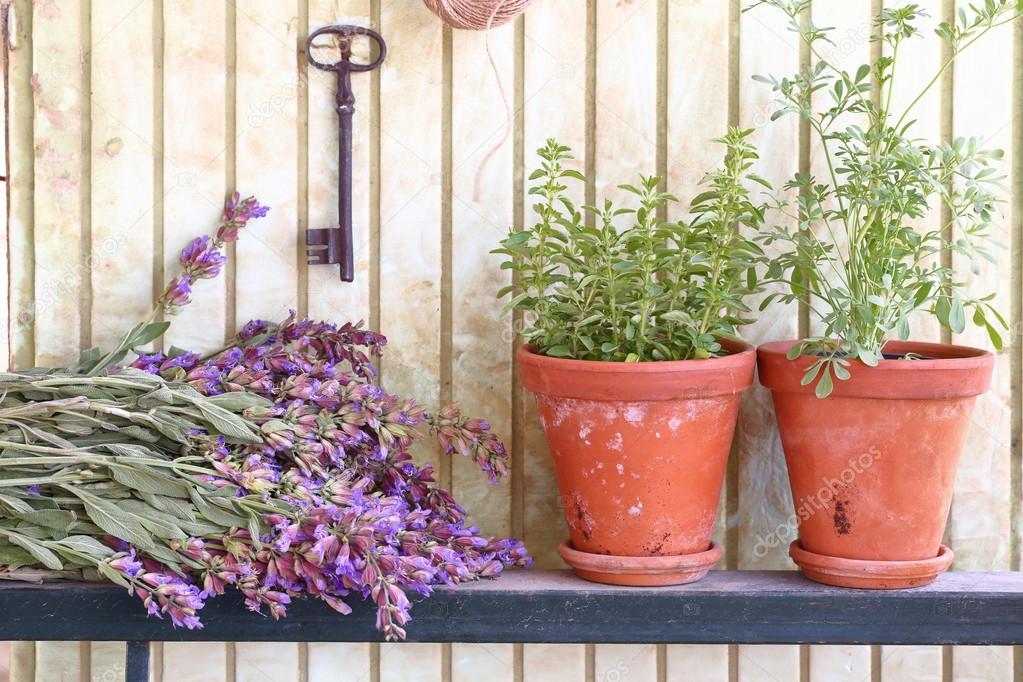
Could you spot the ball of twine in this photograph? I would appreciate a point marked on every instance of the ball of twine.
(477, 15)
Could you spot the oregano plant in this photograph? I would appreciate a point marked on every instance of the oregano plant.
(627, 285)
(850, 250)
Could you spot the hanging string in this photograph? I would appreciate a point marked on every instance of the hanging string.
(482, 15)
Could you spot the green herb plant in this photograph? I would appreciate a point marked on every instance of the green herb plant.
(630, 286)
(851, 252)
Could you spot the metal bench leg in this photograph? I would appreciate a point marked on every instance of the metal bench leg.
(136, 662)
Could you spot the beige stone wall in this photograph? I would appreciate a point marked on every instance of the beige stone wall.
(130, 119)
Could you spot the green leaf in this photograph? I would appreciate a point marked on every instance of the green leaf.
(147, 480)
(84, 544)
(825, 385)
(150, 332)
(957, 316)
(38, 551)
(49, 518)
(108, 516)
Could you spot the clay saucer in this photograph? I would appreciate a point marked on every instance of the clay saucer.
(870, 575)
(641, 571)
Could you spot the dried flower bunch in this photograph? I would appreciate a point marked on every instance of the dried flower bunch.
(648, 290)
(277, 466)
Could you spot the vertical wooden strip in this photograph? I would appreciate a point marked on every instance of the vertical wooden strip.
(21, 182)
(329, 298)
(553, 663)
(23, 661)
(845, 663)
(123, 145)
(919, 59)
(347, 662)
(697, 62)
(195, 147)
(57, 82)
(57, 661)
(266, 156)
(911, 664)
(58, 43)
(555, 70)
(625, 147)
(195, 662)
(406, 662)
(554, 106)
(1016, 183)
(979, 527)
(481, 211)
(491, 662)
(765, 509)
(626, 91)
(632, 662)
(107, 661)
(697, 663)
(765, 521)
(266, 662)
(5, 256)
(852, 23)
(410, 241)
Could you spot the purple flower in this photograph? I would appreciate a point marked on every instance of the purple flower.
(178, 294)
(237, 213)
(201, 259)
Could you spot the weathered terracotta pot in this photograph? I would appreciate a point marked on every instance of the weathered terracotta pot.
(872, 467)
(639, 452)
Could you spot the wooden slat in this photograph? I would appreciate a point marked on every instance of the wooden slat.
(122, 148)
(266, 165)
(22, 180)
(553, 663)
(328, 298)
(979, 524)
(766, 47)
(839, 663)
(911, 664)
(57, 65)
(554, 106)
(625, 147)
(57, 49)
(5, 256)
(918, 61)
(491, 662)
(107, 661)
(57, 661)
(266, 662)
(411, 181)
(348, 662)
(481, 212)
(266, 140)
(853, 26)
(195, 142)
(410, 663)
(195, 662)
(697, 663)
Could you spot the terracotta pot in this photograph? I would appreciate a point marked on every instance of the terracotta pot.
(639, 453)
(872, 467)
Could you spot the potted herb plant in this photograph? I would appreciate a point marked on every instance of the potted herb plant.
(632, 354)
(872, 467)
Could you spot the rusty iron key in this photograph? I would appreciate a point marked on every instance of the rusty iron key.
(334, 245)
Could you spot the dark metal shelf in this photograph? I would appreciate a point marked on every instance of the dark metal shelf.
(749, 607)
